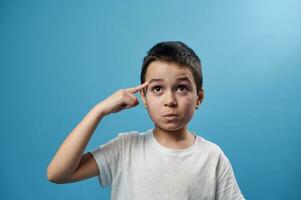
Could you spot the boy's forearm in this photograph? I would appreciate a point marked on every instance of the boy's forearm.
(67, 158)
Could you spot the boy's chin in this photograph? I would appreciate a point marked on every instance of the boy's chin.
(170, 127)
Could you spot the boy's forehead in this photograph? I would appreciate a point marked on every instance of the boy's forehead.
(160, 71)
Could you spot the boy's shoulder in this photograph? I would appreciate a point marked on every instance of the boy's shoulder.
(208, 144)
(129, 135)
(214, 150)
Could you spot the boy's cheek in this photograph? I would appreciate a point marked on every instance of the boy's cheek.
(148, 96)
(150, 102)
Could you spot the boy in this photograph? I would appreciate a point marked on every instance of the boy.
(167, 162)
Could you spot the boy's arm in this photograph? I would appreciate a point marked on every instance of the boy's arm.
(69, 156)
(69, 164)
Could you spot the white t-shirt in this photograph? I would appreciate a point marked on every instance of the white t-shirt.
(138, 167)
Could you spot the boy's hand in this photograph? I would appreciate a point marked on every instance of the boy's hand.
(123, 98)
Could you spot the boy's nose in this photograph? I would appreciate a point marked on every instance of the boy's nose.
(170, 100)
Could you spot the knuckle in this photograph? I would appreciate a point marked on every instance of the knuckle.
(123, 92)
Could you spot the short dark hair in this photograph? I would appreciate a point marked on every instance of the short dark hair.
(175, 52)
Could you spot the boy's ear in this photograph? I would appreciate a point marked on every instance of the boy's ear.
(142, 94)
(200, 96)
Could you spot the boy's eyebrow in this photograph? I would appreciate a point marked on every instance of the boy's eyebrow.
(155, 80)
(181, 78)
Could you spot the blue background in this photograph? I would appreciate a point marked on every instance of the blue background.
(60, 58)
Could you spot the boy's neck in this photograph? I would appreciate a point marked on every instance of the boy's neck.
(179, 139)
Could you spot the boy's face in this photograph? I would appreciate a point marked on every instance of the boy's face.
(171, 91)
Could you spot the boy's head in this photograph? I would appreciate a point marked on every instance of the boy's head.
(174, 52)
(174, 91)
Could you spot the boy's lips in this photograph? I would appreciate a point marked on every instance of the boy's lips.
(170, 115)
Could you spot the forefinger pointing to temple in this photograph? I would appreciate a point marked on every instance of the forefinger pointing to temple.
(137, 88)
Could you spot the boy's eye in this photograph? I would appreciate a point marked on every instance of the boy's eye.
(156, 89)
(182, 88)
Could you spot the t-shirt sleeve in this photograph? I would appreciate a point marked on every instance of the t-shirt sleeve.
(109, 160)
(226, 185)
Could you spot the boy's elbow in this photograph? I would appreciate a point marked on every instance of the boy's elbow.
(55, 180)
(52, 178)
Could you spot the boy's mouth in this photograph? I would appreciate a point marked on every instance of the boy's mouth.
(170, 115)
